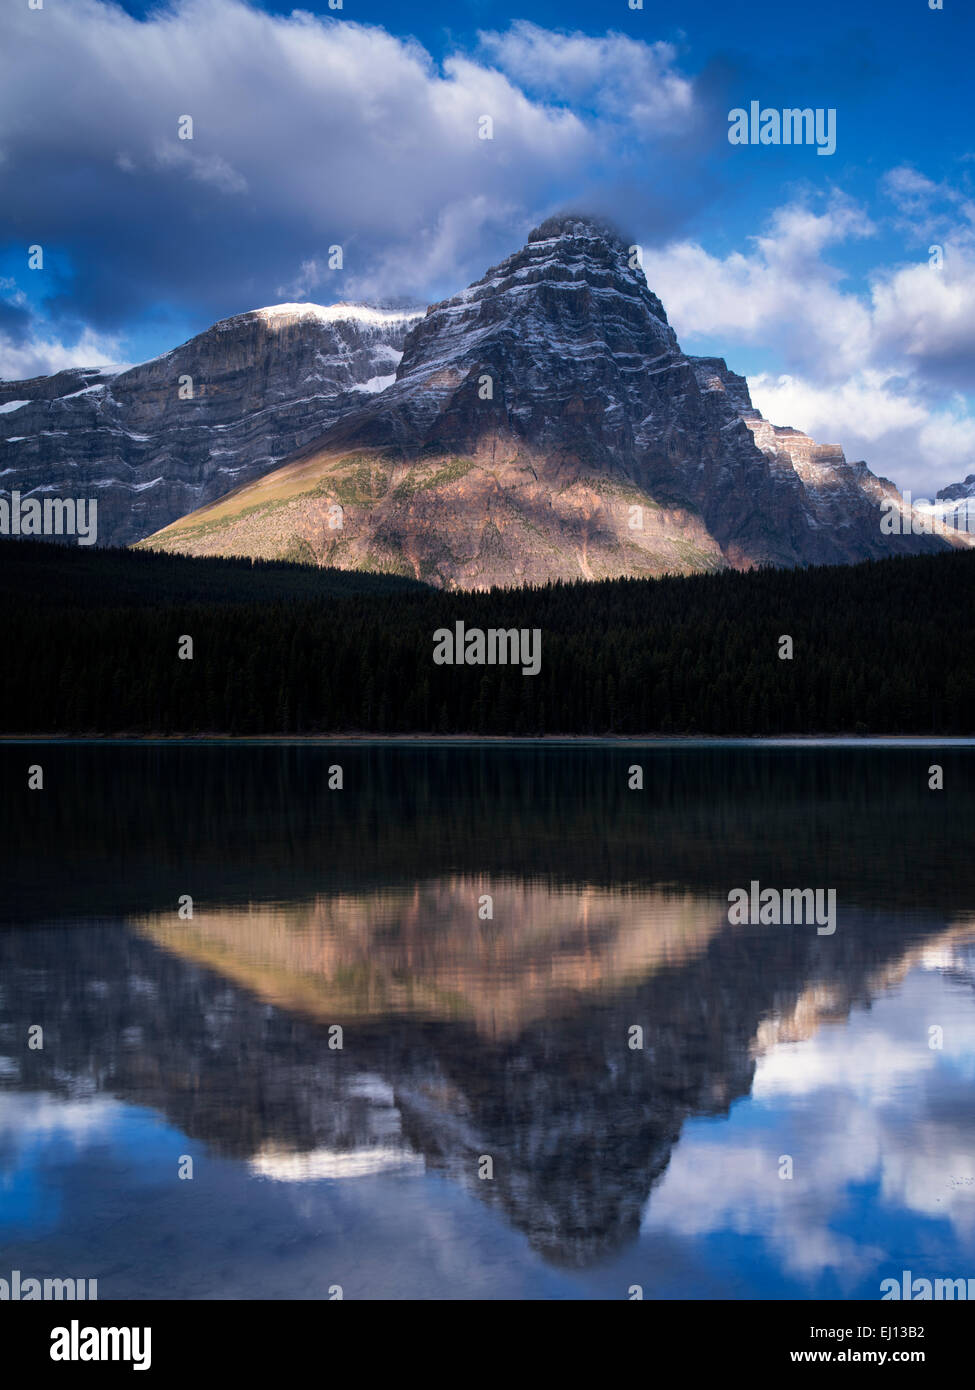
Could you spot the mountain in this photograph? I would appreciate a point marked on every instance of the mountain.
(958, 491)
(506, 1037)
(264, 383)
(955, 506)
(543, 424)
(581, 1132)
(952, 511)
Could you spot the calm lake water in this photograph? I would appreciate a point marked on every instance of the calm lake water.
(472, 1043)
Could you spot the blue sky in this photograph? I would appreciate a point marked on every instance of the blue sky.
(358, 127)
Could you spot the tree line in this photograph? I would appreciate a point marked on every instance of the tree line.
(92, 638)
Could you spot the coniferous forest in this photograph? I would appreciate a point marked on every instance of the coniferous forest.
(92, 641)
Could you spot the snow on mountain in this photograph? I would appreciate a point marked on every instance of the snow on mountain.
(544, 423)
(263, 383)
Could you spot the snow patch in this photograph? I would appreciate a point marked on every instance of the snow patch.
(85, 391)
(336, 313)
(375, 384)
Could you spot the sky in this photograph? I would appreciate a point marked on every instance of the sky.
(358, 127)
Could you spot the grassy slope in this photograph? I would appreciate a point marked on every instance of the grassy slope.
(499, 516)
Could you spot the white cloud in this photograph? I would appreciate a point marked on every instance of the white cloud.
(864, 1103)
(889, 423)
(929, 209)
(911, 190)
(29, 1118)
(204, 168)
(41, 356)
(307, 131)
(620, 77)
(927, 315)
(782, 295)
(878, 371)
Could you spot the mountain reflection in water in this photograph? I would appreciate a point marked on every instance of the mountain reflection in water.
(508, 1037)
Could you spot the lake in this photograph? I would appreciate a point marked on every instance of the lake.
(476, 1024)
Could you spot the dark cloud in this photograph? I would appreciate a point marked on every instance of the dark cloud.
(310, 133)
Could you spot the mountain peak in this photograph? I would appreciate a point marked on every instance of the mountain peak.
(542, 423)
(958, 491)
(571, 293)
(577, 224)
(547, 346)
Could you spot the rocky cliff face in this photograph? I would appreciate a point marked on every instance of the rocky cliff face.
(263, 384)
(839, 500)
(545, 424)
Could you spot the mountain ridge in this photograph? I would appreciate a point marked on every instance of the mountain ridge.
(544, 423)
(262, 383)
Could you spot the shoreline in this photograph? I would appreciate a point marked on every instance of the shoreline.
(640, 740)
